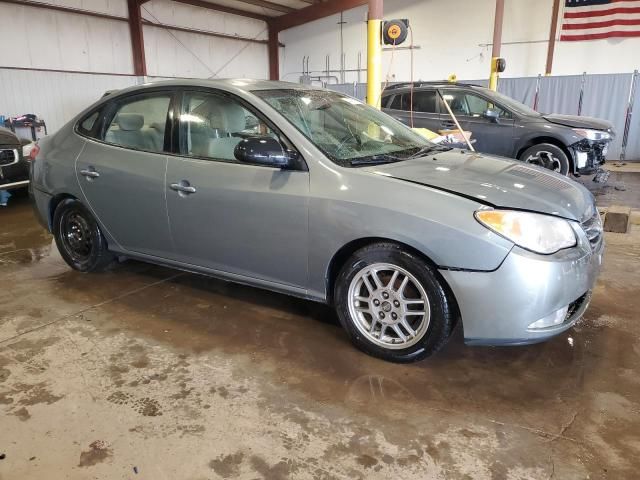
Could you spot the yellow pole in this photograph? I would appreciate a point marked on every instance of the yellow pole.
(497, 43)
(374, 53)
(493, 77)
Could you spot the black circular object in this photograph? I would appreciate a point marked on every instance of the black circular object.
(501, 65)
(394, 32)
(78, 237)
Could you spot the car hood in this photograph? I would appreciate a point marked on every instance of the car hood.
(495, 181)
(8, 138)
(575, 121)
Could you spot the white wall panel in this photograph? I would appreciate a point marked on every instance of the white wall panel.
(201, 56)
(172, 13)
(55, 97)
(63, 41)
(454, 37)
(67, 41)
(111, 7)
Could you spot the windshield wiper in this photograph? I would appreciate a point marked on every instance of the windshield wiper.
(428, 150)
(375, 160)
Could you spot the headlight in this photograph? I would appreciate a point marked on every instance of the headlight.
(536, 232)
(592, 134)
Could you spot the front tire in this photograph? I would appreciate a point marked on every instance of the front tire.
(78, 237)
(392, 304)
(548, 156)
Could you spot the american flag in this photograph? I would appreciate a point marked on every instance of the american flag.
(595, 19)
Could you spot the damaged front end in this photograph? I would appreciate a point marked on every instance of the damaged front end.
(589, 155)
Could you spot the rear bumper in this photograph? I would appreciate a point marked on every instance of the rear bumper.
(499, 307)
(41, 202)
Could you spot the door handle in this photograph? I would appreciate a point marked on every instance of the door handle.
(89, 172)
(183, 187)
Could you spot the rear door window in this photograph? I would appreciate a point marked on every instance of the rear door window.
(399, 102)
(424, 101)
(469, 104)
(139, 122)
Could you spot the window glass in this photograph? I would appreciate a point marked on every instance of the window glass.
(424, 101)
(462, 103)
(346, 130)
(212, 125)
(399, 102)
(88, 123)
(140, 123)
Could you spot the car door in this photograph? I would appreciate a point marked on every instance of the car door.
(243, 219)
(122, 172)
(419, 109)
(491, 135)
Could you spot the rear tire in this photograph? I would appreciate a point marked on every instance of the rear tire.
(548, 156)
(379, 296)
(78, 237)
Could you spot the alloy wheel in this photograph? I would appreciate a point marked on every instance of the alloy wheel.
(546, 160)
(389, 306)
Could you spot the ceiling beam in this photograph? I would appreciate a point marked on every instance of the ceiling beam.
(223, 9)
(137, 38)
(313, 12)
(270, 5)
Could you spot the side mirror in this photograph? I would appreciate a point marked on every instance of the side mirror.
(264, 150)
(492, 115)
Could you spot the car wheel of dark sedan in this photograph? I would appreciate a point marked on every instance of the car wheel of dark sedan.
(548, 156)
(79, 238)
(392, 304)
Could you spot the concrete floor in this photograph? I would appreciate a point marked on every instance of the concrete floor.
(145, 372)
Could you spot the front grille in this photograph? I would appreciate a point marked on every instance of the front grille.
(593, 229)
(7, 157)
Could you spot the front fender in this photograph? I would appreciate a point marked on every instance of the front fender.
(439, 225)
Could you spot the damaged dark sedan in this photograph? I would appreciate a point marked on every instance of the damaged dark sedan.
(567, 144)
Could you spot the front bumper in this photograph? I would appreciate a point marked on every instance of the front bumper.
(589, 155)
(14, 174)
(498, 307)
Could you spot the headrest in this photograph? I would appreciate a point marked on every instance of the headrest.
(130, 121)
(227, 116)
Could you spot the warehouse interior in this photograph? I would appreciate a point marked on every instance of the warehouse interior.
(160, 367)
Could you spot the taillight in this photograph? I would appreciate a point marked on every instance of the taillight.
(33, 152)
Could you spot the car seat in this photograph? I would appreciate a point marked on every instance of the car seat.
(226, 118)
(130, 133)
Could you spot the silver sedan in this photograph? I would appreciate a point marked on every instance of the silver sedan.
(312, 193)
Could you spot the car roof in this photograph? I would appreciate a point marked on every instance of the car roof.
(245, 84)
(433, 84)
(232, 85)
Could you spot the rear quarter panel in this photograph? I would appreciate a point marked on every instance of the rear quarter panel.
(53, 172)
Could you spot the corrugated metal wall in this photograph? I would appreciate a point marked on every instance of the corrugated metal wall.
(55, 97)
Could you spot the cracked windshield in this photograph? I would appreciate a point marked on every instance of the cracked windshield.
(349, 132)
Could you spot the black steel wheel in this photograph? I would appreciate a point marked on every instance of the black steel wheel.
(78, 237)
